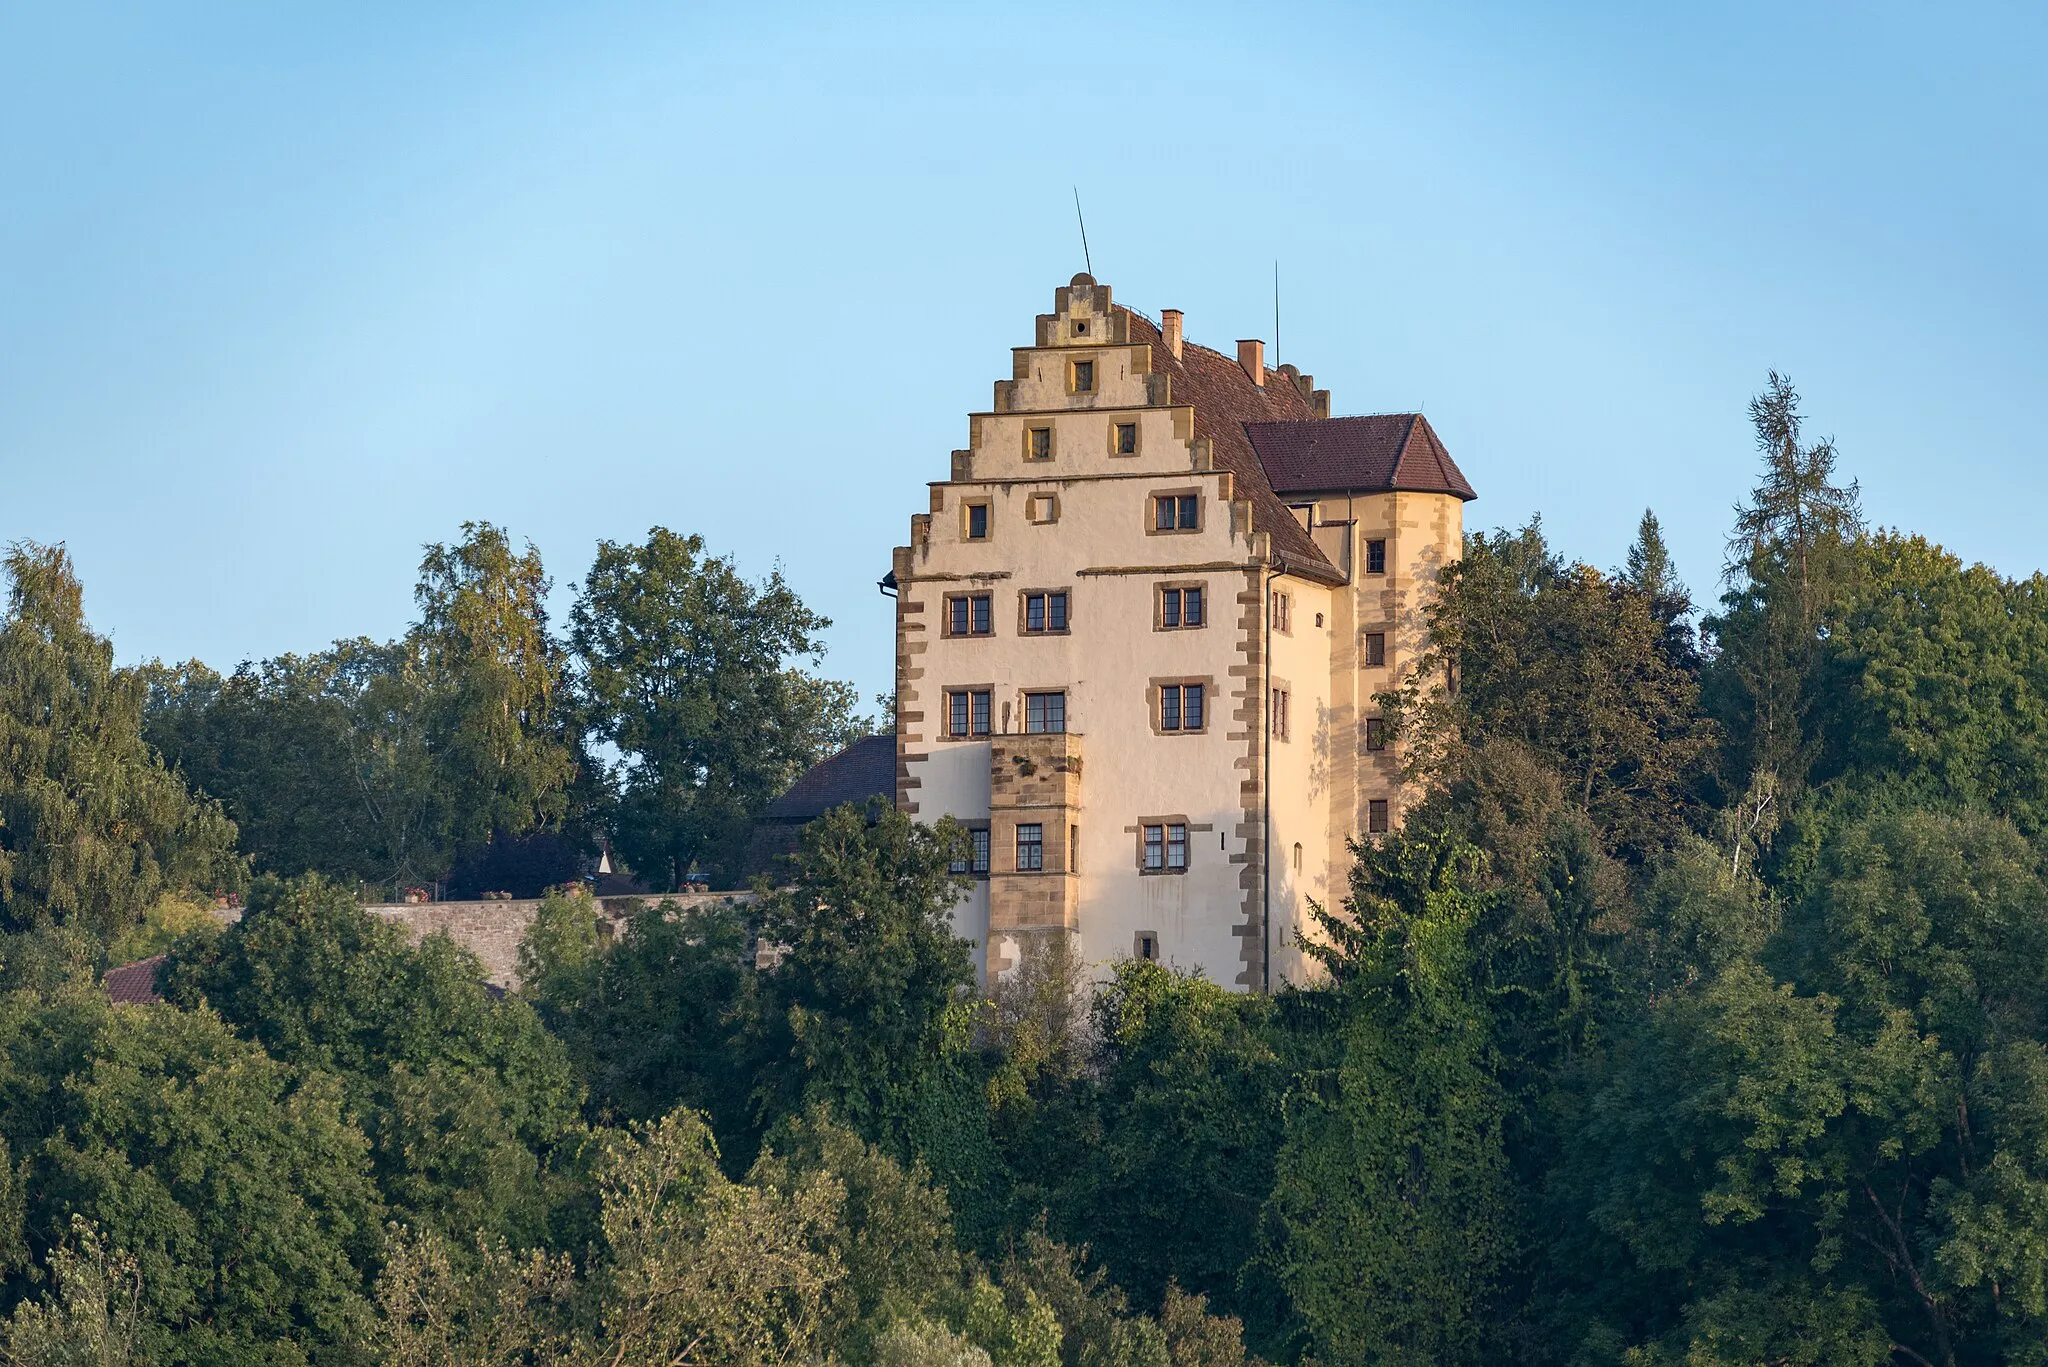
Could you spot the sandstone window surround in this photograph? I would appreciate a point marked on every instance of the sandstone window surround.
(1123, 439)
(1042, 508)
(1163, 845)
(974, 520)
(1180, 707)
(1043, 612)
(1030, 847)
(970, 614)
(1081, 377)
(1174, 510)
(1038, 445)
(1146, 946)
(967, 711)
(1045, 713)
(1181, 606)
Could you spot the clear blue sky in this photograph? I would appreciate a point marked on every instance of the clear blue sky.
(288, 290)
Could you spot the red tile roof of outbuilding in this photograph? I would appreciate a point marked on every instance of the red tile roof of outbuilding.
(133, 984)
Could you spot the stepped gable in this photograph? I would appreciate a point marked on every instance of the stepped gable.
(1226, 402)
(1365, 455)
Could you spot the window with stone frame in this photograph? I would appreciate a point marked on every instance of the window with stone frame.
(1163, 847)
(1375, 648)
(1030, 847)
(1376, 816)
(1375, 733)
(1045, 612)
(1038, 443)
(1180, 607)
(970, 614)
(1045, 713)
(967, 712)
(1124, 441)
(975, 521)
(1176, 512)
(1183, 707)
(1376, 557)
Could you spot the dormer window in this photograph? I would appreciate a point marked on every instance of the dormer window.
(1084, 377)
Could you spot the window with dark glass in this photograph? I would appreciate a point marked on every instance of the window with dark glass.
(1084, 377)
(1279, 719)
(1176, 512)
(1030, 847)
(967, 712)
(1376, 816)
(1180, 707)
(1166, 847)
(1375, 557)
(977, 522)
(1039, 446)
(1045, 712)
(1375, 647)
(976, 862)
(1283, 611)
(1127, 439)
(1045, 612)
(970, 614)
(1375, 734)
(1147, 946)
(1180, 607)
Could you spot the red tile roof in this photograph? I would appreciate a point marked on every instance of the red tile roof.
(864, 769)
(1370, 454)
(133, 984)
(1225, 400)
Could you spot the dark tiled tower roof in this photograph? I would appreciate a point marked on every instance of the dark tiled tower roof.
(1372, 454)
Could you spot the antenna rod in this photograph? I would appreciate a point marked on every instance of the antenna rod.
(1276, 312)
(1084, 231)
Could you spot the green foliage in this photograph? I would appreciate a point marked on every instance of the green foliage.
(470, 1104)
(869, 975)
(93, 1317)
(384, 763)
(232, 1180)
(93, 828)
(669, 1015)
(1389, 1210)
(688, 670)
(1580, 671)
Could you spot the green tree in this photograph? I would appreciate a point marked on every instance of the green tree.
(233, 1181)
(1389, 1213)
(469, 1103)
(1575, 668)
(496, 705)
(668, 1015)
(691, 671)
(1846, 1165)
(1788, 567)
(1935, 677)
(865, 1001)
(93, 827)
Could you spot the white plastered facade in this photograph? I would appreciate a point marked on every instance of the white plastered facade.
(1268, 815)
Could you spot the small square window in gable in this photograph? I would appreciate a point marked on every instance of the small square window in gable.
(1038, 443)
(1042, 508)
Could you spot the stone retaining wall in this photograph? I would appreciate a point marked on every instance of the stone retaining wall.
(492, 930)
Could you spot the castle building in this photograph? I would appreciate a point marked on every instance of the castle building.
(1138, 637)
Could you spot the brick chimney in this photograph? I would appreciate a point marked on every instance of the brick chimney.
(1252, 356)
(1169, 329)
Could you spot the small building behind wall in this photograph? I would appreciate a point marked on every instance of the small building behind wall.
(1139, 630)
